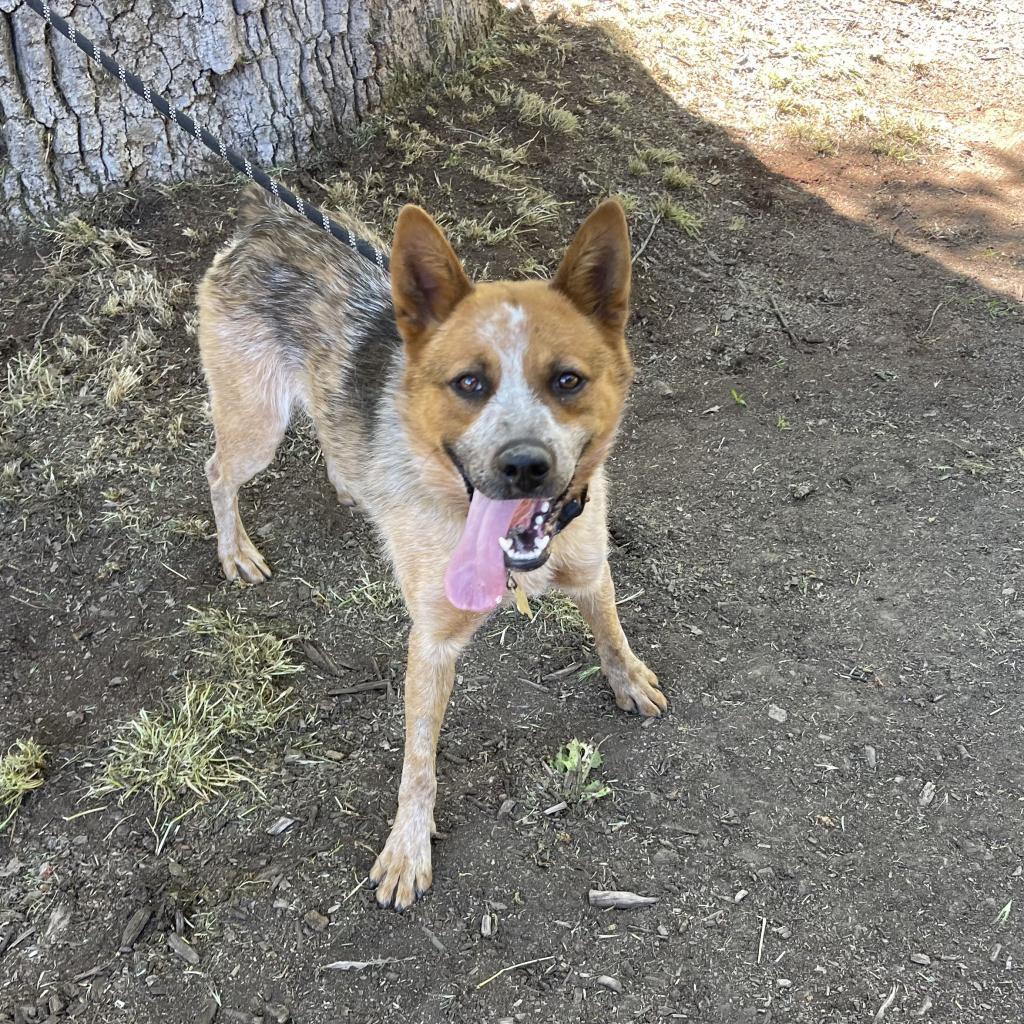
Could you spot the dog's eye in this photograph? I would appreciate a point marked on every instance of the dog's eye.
(568, 382)
(470, 384)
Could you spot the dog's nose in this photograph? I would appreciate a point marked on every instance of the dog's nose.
(524, 467)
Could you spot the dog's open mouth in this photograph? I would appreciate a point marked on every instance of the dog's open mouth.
(529, 535)
(499, 536)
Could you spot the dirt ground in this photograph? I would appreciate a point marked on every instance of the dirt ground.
(816, 521)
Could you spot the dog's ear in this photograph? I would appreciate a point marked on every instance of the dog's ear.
(427, 279)
(596, 269)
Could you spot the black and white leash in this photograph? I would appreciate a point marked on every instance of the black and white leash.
(187, 124)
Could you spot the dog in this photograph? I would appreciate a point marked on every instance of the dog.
(470, 421)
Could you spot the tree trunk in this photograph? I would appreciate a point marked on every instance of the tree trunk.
(276, 79)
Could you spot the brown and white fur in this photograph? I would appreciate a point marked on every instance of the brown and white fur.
(291, 319)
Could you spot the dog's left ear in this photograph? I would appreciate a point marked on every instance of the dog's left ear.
(427, 279)
(596, 270)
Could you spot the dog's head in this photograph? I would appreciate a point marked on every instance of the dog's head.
(517, 387)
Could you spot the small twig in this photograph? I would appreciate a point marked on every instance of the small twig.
(323, 661)
(514, 967)
(364, 687)
(932, 321)
(49, 316)
(760, 942)
(782, 319)
(888, 1002)
(650, 235)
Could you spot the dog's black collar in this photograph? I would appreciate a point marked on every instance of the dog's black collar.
(570, 510)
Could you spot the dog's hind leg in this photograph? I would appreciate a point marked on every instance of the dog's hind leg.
(248, 426)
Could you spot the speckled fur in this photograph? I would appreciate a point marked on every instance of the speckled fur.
(289, 318)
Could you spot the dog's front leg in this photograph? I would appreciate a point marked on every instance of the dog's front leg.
(635, 686)
(402, 872)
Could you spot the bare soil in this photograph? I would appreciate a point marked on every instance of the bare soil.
(816, 520)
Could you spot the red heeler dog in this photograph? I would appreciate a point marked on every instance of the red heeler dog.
(470, 421)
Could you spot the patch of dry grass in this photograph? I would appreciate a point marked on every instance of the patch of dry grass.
(899, 139)
(21, 771)
(189, 747)
(687, 221)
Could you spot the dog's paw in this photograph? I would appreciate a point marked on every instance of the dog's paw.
(402, 873)
(636, 689)
(245, 563)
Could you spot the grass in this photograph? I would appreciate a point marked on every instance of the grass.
(189, 747)
(21, 771)
(534, 109)
(32, 383)
(899, 140)
(637, 166)
(556, 613)
(678, 178)
(814, 135)
(572, 768)
(374, 603)
(138, 289)
(686, 220)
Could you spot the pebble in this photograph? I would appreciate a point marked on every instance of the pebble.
(783, 983)
(488, 925)
(777, 714)
(927, 794)
(612, 984)
(317, 921)
(921, 958)
(870, 757)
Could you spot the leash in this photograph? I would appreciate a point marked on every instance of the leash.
(207, 138)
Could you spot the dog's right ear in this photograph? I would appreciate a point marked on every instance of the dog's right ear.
(427, 279)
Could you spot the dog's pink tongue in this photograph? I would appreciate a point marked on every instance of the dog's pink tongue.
(476, 576)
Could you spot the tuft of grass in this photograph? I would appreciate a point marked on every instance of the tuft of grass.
(535, 110)
(678, 178)
(188, 748)
(123, 381)
(789, 106)
(813, 135)
(899, 140)
(534, 206)
(738, 398)
(572, 767)
(372, 599)
(664, 156)
(21, 771)
(136, 288)
(32, 383)
(555, 613)
(686, 220)
(637, 165)
(485, 230)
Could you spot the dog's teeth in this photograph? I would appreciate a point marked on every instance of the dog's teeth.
(538, 521)
(543, 542)
(545, 507)
(506, 544)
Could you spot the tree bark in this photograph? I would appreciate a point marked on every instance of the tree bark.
(278, 80)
